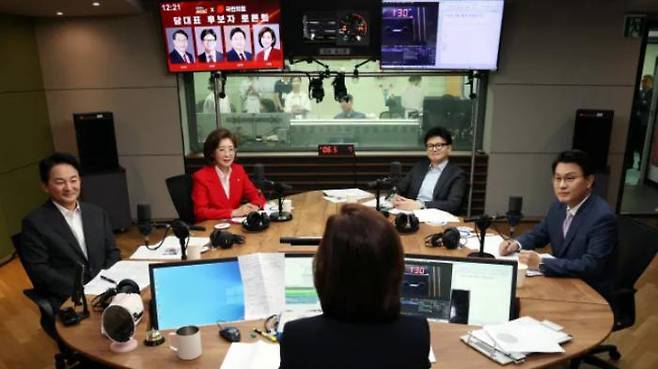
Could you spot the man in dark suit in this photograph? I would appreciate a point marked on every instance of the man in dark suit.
(64, 233)
(179, 54)
(238, 45)
(580, 227)
(210, 53)
(434, 182)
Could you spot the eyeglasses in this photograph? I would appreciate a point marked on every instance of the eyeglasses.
(439, 146)
(568, 179)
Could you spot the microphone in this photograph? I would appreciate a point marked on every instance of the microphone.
(262, 183)
(144, 221)
(182, 232)
(514, 214)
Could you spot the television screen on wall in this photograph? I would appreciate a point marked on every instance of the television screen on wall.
(441, 34)
(222, 35)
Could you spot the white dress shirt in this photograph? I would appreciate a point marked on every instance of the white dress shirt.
(225, 180)
(74, 220)
(426, 192)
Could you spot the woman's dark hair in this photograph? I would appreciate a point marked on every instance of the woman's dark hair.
(262, 32)
(578, 157)
(46, 164)
(213, 140)
(358, 266)
(440, 132)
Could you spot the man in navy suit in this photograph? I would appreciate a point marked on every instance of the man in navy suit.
(238, 44)
(580, 227)
(210, 53)
(179, 54)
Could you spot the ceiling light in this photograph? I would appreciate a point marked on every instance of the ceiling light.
(60, 13)
(96, 3)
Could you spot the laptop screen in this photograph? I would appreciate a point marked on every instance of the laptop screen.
(459, 290)
(200, 293)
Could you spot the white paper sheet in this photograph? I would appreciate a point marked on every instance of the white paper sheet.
(491, 244)
(262, 277)
(259, 355)
(383, 203)
(435, 216)
(526, 335)
(169, 250)
(138, 271)
(355, 193)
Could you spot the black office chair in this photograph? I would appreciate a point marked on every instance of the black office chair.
(48, 312)
(180, 190)
(638, 244)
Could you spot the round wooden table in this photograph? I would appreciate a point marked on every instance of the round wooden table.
(568, 302)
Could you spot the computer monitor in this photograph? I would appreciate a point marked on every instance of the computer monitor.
(300, 293)
(202, 292)
(459, 290)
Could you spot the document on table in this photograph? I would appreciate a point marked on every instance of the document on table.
(491, 244)
(343, 194)
(258, 355)
(526, 335)
(138, 271)
(169, 250)
(435, 216)
(262, 277)
(383, 203)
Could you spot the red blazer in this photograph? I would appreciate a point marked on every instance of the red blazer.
(275, 54)
(209, 198)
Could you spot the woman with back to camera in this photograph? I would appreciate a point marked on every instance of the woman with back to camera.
(219, 187)
(357, 273)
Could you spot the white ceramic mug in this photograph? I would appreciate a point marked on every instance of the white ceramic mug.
(520, 274)
(194, 252)
(287, 205)
(186, 342)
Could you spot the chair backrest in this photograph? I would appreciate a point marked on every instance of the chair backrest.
(16, 240)
(180, 191)
(638, 244)
(637, 247)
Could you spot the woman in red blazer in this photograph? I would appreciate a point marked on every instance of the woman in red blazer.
(267, 40)
(218, 188)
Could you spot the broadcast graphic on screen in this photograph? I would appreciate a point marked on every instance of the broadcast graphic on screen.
(197, 293)
(300, 294)
(218, 35)
(441, 34)
(459, 290)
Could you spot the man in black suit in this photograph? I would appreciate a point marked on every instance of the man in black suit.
(210, 53)
(238, 44)
(179, 54)
(64, 233)
(434, 182)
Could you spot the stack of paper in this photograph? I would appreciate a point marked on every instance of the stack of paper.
(262, 277)
(435, 216)
(259, 355)
(138, 271)
(169, 250)
(343, 195)
(524, 335)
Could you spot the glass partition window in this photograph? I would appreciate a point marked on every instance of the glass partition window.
(276, 113)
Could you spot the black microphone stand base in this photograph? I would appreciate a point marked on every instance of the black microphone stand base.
(480, 254)
(283, 216)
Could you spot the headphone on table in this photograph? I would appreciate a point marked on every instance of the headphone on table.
(100, 302)
(448, 238)
(406, 223)
(225, 239)
(256, 221)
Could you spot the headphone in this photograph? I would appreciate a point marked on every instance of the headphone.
(406, 223)
(225, 239)
(448, 238)
(256, 222)
(100, 302)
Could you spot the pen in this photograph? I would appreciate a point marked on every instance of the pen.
(266, 335)
(108, 279)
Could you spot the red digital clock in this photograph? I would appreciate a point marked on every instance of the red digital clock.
(336, 150)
